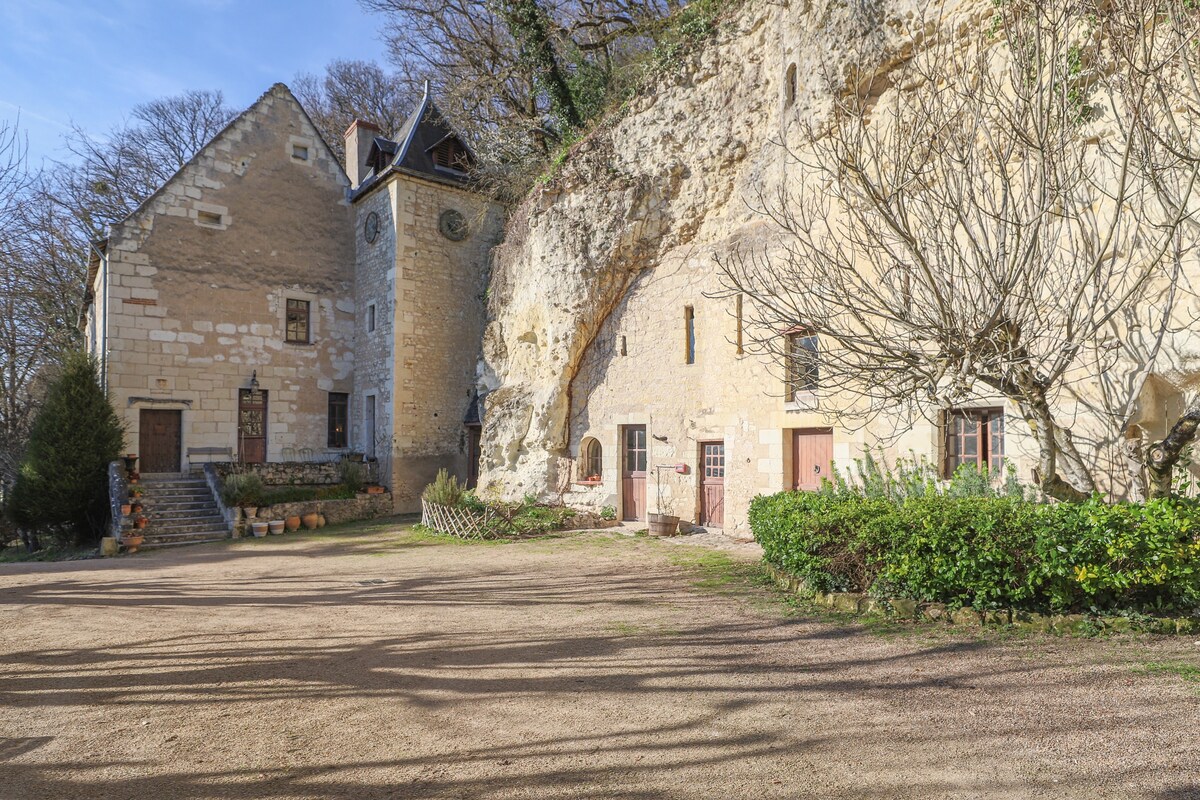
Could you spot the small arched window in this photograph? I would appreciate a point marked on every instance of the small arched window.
(591, 461)
(789, 86)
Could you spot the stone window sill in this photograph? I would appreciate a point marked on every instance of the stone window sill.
(804, 401)
(589, 483)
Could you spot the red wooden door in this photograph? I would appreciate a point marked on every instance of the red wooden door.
(633, 473)
(712, 484)
(812, 455)
(159, 433)
(252, 426)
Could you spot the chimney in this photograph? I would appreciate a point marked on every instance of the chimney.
(358, 145)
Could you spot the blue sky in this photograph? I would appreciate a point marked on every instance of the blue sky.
(91, 61)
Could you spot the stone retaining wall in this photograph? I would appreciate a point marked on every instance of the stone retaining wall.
(287, 473)
(363, 506)
(1063, 624)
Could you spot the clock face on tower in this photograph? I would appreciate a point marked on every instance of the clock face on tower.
(371, 227)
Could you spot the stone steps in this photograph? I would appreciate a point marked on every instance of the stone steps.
(180, 510)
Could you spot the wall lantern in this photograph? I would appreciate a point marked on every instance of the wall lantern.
(254, 381)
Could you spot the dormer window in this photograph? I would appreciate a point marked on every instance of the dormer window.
(450, 154)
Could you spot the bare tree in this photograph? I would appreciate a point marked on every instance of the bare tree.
(972, 231)
(351, 90)
(111, 176)
(516, 76)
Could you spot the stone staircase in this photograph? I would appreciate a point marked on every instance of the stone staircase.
(181, 510)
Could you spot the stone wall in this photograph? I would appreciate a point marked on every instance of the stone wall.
(288, 473)
(198, 278)
(363, 506)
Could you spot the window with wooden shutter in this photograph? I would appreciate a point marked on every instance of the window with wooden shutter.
(450, 154)
(974, 436)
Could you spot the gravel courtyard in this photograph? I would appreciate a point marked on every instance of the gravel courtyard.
(379, 663)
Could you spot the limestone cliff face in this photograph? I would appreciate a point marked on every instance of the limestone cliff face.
(666, 183)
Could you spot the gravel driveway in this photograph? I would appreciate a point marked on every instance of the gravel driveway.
(377, 663)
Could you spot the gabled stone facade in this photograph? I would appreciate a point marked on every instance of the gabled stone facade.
(188, 306)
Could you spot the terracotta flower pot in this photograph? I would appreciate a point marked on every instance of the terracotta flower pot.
(249, 511)
(132, 542)
(135, 508)
(259, 529)
(125, 509)
(374, 490)
(310, 521)
(140, 523)
(276, 526)
(292, 523)
(320, 520)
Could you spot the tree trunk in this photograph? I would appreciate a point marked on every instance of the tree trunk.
(1054, 442)
(1162, 456)
(528, 25)
(30, 539)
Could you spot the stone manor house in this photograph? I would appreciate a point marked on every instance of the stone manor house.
(267, 304)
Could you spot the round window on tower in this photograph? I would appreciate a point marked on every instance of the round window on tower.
(453, 225)
(371, 227)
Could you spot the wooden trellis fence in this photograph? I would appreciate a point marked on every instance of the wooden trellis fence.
(465, 523)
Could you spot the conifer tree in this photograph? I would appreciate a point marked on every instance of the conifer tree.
(62, 486)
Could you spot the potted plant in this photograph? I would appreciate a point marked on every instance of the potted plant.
(126, 508)
(140, 522)
(130, 460)
(134, 477)
(135, 507)
(374, 488)
(132, 541)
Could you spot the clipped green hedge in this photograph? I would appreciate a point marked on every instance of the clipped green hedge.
(988, 552)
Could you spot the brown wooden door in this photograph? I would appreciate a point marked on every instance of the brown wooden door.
(712, 484)
(159, 440)
(812, 456)
(252, 426)
(633, 472)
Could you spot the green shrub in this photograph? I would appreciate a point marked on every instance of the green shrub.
(353, 475)
(987, 552)
(62, 484)
(241, 489)
(444, 491)
(608, 512)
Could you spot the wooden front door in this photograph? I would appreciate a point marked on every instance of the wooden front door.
(712, 484)
(252, 426)
(812, 456)
(633, 472)
(159, 440)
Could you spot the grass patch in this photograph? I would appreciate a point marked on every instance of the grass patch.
(1189, 672)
